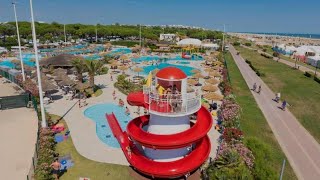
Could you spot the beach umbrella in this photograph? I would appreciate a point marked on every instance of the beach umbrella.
(212, 81)
(66, 81)
(47, 85)
(213, 73)
(210, 88)
(190, 89)
(155, 71)
(198, 75)
(192, 81)
(138, 70)
(59, 71)
(213, 96)
(15, 61)
(82, 86)
(195, 71)
(208, 70)
(123, 68)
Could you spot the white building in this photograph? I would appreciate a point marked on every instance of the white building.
(3, 49)
(168, 37)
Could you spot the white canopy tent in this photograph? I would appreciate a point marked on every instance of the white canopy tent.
(190, 41)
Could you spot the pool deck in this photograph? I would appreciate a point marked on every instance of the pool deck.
(83, 129)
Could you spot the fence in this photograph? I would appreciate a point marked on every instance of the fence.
(34, 162)
(11, 102)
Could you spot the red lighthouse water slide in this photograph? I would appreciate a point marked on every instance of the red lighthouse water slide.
(195, 136)
(160, 169)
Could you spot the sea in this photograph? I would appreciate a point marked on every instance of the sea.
(302, 35)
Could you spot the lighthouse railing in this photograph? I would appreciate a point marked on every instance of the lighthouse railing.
(172, 104)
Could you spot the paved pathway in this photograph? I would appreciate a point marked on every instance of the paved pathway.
(18, 134)
(301, 149)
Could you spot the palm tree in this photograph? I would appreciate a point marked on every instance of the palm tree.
(78, 64)
(93, 68)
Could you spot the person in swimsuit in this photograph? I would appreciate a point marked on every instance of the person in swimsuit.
(56, 165)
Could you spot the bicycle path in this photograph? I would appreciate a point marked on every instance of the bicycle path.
(301, 149)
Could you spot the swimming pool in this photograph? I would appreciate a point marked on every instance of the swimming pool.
(145, 58)
(7, 63)
(92, 57)
(177, 58)
(97, 113)
(185, 69)
(121, 50)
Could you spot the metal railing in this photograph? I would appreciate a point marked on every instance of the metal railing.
(171, 104)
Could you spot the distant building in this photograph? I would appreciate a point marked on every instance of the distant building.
(169, 37)
(3, 49)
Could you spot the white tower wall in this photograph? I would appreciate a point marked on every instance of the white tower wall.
(167, 125)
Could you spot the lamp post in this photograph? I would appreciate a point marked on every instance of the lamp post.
(34, 37)
(97, 33)
(140, 36)
(65, 35)
(19, 43)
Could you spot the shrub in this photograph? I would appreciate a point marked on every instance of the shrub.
(316, 79)
(126, 86)
(307, 74)
(248, 62)
(276, 54)
(236, 43)
(104, 70)
(247, 44)
(264, 50)
(228, 165)
(231, 135)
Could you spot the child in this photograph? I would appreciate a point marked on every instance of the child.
(127, 111)
(114, 94)
(129, 151)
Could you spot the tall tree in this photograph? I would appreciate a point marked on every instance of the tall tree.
(80, 67)
(93, 68)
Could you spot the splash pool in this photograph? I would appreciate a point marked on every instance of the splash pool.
(185, 69)
(97, 113)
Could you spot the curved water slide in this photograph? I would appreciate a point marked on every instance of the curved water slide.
(195, 137)
(152, 168)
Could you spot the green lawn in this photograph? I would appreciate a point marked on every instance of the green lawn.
(84, 167)
(266, 149)
(302, 93)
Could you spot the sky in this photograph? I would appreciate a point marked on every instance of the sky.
(286, 16)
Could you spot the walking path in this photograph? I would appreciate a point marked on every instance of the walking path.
(291, 64)
(301, 149)
(18, 135)
(83, 129)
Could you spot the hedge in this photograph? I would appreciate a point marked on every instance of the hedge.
(307, 74)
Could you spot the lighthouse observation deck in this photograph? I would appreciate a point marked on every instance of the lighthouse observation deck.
(169, 104)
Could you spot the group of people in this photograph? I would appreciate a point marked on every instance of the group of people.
(277, 98)
(284, 102)
(171, 93)
(254, 88)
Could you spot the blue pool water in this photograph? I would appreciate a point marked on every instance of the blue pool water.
(145, 58)
(93, 57)
(97, 113)
(121, 50)
(184, 62)
(7, 64)
(177, 58)
(185, 69)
